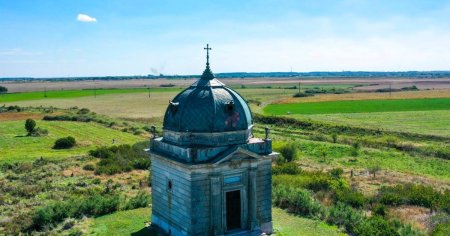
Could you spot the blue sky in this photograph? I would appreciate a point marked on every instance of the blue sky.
(43, 38)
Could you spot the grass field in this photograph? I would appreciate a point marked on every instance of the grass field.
(361, 106)
(130, 222)
(133, 222)
(441, 93)
(15, 145)
(435, 122)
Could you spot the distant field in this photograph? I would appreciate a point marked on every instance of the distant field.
(136, 103)
(16, 146)
(64, 94)
(422, 122)
(359, 106)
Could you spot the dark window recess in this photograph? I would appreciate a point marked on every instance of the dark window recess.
(229, 107)
(233, 208)
(169, 185)
(174, 107)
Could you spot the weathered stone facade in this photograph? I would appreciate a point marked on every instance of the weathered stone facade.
(210, 176)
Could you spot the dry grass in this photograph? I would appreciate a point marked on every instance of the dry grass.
(10, 116)
(418, 217)
(132, 105)
(442, 93)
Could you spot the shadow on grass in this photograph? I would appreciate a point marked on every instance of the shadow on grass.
(149, 231)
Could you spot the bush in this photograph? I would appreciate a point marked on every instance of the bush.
(3, 89)
(39, 132)
(350, 197)
(418, 195)
(289, 152)
(300, 95)
(142, 199)
(296, 200)
(89, 167)
(83, 111)
(64, 143)
(336, 173)
(56, 212)
(286, 168)
(30, 125)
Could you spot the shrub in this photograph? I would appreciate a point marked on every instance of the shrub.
(300, 95)
(286, 168)
(39, 132)
(418, 195)
(334, 136)
(83, 111)
(89, 167)
(296, 200)
(3, 89)
(289, 152)
(356, 146)
(350, 197)
(64, 143)
(142, 199)
(30, 125)
(336, 173)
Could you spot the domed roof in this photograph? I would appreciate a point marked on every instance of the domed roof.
(207, 106)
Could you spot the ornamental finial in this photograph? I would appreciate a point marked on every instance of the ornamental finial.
(207, 54)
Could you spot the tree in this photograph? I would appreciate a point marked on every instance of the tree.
(289, 152)
(334, 136)
(3, 89)
(355, 149)
(374, 169)
(30, 126)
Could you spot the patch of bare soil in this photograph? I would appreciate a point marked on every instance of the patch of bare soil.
(11, 116)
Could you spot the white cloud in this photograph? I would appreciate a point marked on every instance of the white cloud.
(86, 18)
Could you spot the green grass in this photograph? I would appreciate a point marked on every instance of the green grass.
(122, 223)
(359, 106)
(329, 154)
(288, 224)
(16, 146)
(421, 122)
(133, 222)
(53, 94)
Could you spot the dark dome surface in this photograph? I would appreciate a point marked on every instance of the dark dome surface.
(207, 106)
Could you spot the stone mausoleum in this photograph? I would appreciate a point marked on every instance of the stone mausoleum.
(210, 176)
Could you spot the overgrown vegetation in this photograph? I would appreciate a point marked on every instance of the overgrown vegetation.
(122, 158)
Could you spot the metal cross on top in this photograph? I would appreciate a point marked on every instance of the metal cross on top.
(207, 54)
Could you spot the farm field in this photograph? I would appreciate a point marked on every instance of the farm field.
(66, 94)
(435, 122)
(359, 106)
(16, 146)
(438, 93)
(138, 104)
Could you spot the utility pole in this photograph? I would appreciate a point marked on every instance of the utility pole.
(299, 88)
(390, 89)
(95, 90)
(149, 91)
(45, 92)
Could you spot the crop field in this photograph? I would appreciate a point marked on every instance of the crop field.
(361, 106)
(436, 122)
(438, 93)
(15, 145)
(66, 94)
